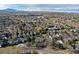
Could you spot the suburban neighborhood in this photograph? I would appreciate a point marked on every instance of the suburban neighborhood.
(39, 33)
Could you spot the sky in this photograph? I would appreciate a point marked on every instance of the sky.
(42, 7)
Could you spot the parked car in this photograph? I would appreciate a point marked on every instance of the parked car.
(4, 44)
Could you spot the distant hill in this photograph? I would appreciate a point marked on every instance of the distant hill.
(8, 10)
(19, 12)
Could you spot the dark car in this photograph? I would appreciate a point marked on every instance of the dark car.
(4, 44)
(11, 43)
(7, 35)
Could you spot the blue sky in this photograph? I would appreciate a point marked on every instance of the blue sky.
(42, 7)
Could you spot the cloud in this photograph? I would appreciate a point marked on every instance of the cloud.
(40, 7)
(3, 6)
